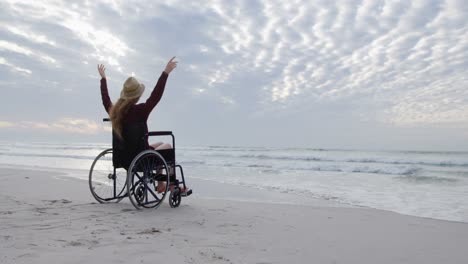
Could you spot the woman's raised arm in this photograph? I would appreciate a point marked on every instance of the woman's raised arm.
(158, 90)
(102, 70)
(106, 101)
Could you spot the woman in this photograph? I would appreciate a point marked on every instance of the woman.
(127, 111)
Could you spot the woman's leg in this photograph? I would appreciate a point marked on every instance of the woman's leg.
(162, 185)
(163, 146)
(155, 145)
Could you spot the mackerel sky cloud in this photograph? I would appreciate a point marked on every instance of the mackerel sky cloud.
(338, 74)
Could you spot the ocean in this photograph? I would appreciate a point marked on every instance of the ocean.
(420, 183)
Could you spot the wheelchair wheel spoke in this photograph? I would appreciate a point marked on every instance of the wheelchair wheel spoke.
(135, 184)
(142, 183)
(105, 182)
(153, 194)
(138, 176)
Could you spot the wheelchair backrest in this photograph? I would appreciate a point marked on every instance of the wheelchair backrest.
(133, 142)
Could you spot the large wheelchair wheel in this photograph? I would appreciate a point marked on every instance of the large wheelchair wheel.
(146, 169)
(106, 183)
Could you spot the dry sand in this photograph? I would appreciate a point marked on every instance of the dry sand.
(46, 217)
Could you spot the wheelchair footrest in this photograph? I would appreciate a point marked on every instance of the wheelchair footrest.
(187, 193)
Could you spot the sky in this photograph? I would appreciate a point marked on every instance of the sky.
(365, 74)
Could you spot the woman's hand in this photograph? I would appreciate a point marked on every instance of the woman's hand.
(102, 70)
(170, 65)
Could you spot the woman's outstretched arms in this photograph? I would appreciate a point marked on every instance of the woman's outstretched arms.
(158, 90)
(106, 101)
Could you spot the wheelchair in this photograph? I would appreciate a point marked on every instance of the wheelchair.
(130, 169)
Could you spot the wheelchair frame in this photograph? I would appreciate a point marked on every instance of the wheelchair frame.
(150, 164)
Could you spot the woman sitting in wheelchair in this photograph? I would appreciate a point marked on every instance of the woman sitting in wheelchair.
(126, 111)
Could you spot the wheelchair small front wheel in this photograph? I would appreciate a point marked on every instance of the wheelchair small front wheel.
(146, 170)
(106, 183)
(175, 198)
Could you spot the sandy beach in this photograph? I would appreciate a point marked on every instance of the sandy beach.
(49, 217)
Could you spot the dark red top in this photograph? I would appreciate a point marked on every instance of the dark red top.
(138, 112)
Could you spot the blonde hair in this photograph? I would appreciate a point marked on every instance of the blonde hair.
(118, 113)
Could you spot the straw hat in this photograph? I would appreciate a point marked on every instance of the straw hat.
(132, 89)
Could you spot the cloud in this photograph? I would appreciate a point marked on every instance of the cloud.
(364, 52)
(13, 47)
(64, 125)
(4, 124)
(401, 63)
(29, 35)
(441, 101)
(78, 19)
(3, 61)
(108, 48)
